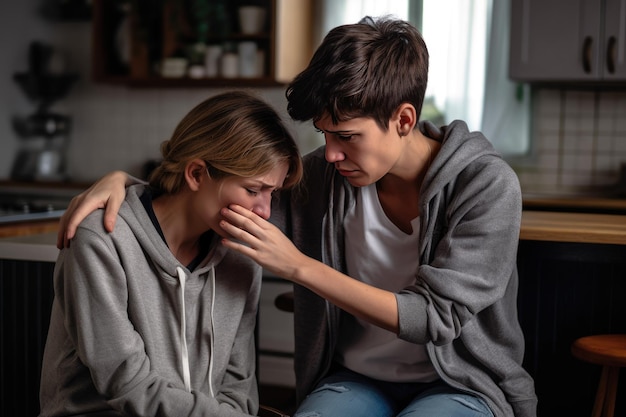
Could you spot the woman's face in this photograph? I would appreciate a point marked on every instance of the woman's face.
(254, 193)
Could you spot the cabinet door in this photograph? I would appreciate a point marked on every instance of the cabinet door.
(615, 40)
(555, 40)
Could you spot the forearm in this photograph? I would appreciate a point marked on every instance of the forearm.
(364, 301)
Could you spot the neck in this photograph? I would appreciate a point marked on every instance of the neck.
(409, 173)
(182, 240)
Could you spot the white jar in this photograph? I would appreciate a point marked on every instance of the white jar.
(247, 59)
(212, 60)
(229, 65)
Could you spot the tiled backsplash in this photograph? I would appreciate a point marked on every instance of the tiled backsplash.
(578, 142)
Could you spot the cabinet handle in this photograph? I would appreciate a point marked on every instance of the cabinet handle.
(610, 54)
(587, 44)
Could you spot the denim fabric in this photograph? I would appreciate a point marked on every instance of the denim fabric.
(346, 393)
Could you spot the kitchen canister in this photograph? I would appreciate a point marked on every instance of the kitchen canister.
(229, 65)
(251, 19)
(247, 59)
(212, 60)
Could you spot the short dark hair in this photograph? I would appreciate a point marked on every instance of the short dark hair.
(365, 69)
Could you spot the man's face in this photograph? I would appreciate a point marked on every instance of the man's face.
(360, 150)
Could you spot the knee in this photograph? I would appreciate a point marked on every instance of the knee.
(318, 399)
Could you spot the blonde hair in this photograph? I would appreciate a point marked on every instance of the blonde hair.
(236, 134)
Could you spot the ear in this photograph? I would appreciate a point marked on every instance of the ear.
(405, 119)
(195, 173)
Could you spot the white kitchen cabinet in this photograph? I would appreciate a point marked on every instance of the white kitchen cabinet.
(276, 339)
(568, 40)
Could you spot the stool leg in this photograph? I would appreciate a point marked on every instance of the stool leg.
(612, 378)
(601, 393)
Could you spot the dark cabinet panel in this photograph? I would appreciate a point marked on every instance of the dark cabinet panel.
(569, 290)
(26, 293)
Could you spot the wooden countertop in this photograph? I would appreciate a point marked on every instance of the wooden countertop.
(38, 241)
(29, 227)
(573, 227)
(578, 204)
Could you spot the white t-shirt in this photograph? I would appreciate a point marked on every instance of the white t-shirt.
(380, 254)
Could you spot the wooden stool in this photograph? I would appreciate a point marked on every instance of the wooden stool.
(608, 350)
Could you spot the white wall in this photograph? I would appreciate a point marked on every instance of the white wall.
(114, 127)
(578, 141)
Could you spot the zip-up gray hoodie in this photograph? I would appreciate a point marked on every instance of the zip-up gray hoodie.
(463, 304)
(134, 332)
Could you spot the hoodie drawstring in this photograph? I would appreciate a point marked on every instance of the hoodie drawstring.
(183, 326)
(212, 278)
(182, 277)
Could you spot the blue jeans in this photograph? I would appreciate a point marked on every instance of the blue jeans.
(345, 393)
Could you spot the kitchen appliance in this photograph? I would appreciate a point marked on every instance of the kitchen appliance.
(44, 133)
(30, 202)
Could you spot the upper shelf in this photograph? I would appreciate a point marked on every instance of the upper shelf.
(130, 49)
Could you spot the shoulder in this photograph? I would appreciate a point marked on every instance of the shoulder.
(315, 159)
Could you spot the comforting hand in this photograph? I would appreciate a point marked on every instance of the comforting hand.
(263, 242)
(108, 193)
(269, 247)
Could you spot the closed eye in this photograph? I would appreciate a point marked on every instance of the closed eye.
(338, 135)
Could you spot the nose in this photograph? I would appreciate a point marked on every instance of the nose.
(263, 207)
(333, 152)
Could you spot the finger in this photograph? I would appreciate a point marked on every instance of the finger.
(67, 229)
(241, 248)
(247, 213)
(236, 217)
(61, 235)
(111, 210)
(246, 219)
(235, 231)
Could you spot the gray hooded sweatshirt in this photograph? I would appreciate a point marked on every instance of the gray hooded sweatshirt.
(134, 332)
(463, 303)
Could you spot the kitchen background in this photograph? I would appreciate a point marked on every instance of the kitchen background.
(576, 142)
(561, 138)
(113, 127)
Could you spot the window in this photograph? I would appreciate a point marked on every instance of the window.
(468, 46)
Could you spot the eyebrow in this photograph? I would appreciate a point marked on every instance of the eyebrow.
(333, 131)
(262, 184)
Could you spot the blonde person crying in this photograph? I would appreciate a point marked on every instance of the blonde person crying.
(157, 318)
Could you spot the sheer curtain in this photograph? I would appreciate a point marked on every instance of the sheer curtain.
(456, 34)
(468, 46)
(338, 12)
(506, 108)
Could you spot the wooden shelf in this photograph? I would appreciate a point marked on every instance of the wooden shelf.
(284, 57)
(186, 82)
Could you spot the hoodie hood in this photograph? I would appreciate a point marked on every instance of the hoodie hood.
(460, 148)
(134, 214)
